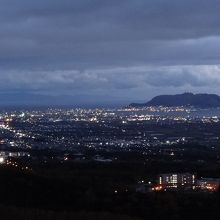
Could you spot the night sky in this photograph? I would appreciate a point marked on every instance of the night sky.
(107, 51)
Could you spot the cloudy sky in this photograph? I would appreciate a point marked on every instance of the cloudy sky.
(109, 51)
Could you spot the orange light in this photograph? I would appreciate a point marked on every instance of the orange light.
(157, 188)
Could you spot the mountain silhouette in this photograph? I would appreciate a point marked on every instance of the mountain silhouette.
(185, 99)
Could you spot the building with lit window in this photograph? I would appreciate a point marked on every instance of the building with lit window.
(176, 180)
(208, 184)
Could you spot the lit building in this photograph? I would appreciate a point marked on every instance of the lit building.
(208, 184)
(176, 180)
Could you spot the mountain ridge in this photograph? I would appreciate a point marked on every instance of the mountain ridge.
(202, 100)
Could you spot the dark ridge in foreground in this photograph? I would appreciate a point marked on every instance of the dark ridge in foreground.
(11, 213)
(185, 99)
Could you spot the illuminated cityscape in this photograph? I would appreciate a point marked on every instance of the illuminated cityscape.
(112, 136)
(106, 128)
(109, 109)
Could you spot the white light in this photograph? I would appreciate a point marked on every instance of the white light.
(2, 160)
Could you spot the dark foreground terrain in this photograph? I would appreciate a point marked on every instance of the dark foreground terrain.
(93, 190)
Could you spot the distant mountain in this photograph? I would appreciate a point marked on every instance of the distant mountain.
(185, 99)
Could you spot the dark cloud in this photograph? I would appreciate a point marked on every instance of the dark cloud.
(116, 78)
(110, 46)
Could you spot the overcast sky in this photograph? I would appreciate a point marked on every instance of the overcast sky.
(120, 50)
